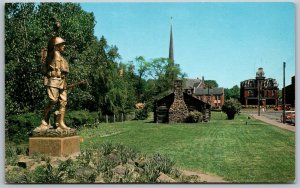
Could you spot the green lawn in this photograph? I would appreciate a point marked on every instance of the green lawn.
(256, 152)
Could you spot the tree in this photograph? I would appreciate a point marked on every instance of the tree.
(211, 83)
(28, 27)
(109, 88)
(140, 82)
(231, 107)
(163, 73)
(233, 92)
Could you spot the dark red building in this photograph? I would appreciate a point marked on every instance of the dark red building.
(260, 89)
(290, 93)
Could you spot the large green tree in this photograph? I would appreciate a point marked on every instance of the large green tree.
(110, 88)
(155, 78)
(28, 28)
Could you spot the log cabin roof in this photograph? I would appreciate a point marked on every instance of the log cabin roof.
(168, 100)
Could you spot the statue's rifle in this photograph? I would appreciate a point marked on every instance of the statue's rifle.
(71, 86)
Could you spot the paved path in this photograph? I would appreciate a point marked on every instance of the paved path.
(274, 122)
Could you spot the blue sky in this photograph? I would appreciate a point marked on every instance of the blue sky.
(226, 42)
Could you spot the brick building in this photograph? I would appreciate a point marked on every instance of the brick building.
(198, 89)
(260, 89)
(290, 93)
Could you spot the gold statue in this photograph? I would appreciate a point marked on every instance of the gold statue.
(55, 68)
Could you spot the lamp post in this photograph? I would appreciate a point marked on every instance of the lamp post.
(260, 75)
(283, 95)
(258, 96)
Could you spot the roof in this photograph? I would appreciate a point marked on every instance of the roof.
(192, 83)
(188, 99)
(212, 91)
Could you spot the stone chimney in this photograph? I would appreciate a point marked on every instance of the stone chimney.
(178, 110)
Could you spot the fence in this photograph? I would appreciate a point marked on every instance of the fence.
(116, 118)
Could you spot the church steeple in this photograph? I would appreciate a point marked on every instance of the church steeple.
(171, 53)
(172, 67)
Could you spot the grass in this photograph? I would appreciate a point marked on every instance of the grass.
(252, 153)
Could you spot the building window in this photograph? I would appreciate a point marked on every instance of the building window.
(250, 93)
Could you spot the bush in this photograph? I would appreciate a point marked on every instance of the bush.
(194, 117)
(141, 114)
(20, 126)
(82, 118)
(156, 164)
(231, 107)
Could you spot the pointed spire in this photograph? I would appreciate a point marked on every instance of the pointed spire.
(171, 53)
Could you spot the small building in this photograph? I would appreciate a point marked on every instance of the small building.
(198, 89)
(260, 89)
(175, 107)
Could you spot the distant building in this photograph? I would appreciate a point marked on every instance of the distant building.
(175, 107)
(198, 89)
(259, 89)
(290, 93)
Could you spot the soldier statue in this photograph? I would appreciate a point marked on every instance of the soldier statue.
(55, 69)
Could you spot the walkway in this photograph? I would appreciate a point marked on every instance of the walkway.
(274, 122)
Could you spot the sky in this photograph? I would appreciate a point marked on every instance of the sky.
(226, 42)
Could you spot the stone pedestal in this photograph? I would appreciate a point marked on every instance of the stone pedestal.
(54, 146)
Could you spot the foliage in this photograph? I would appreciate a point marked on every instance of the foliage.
(109, 89)
(194, 117)
(233, 92)
(28, 28)
(12, 151)
(48, 174)
(97, 162)
(82, 118)
(231, 107)
(155, 78)
(20, 126)
(112, 87)
(18, 175)
(163, 163)
(141, 114)
(211, 83)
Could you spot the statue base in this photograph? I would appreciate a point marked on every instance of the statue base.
(54, 146)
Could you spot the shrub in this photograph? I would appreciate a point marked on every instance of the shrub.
(11, 157)
(194, 117)
(163, 162)
(18, 175)
(82, 118)
(141, 114)
(20, 126)
(231, 107)
(48, 174)
(156, 164)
